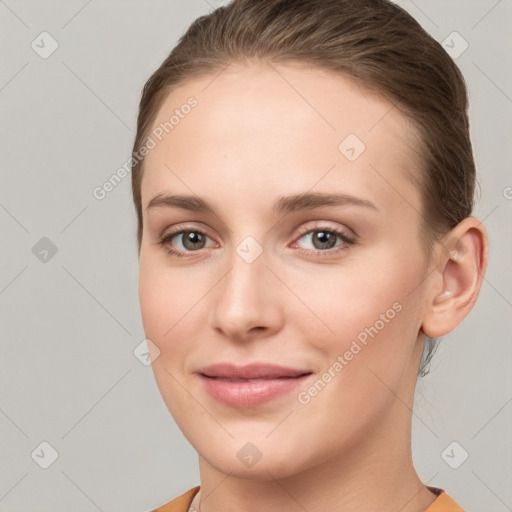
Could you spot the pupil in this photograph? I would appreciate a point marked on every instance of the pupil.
(192, 239)
(325, 239)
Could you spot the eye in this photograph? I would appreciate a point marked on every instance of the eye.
(322, 241)
(184, 241)
(325, 240)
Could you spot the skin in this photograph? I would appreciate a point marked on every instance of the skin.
(262, 131)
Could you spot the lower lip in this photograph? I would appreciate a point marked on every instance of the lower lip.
(249, 393)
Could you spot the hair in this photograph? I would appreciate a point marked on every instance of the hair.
(375, 43)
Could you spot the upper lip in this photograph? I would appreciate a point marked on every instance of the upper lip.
(250, 371)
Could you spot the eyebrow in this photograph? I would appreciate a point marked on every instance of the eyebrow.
(284, 204)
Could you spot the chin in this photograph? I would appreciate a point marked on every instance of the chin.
(261, 471)
(260, 461)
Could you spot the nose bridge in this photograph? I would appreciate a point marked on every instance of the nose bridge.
(244, 299)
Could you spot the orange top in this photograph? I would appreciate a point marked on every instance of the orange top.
(443, 503)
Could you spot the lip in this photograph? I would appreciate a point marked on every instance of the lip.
(250, 385)
(251, 371)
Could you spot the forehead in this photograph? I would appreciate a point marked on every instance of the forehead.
(262, 128)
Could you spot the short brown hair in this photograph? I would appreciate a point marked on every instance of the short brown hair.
(374, 42)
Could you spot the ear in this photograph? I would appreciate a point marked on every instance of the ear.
(461, 263)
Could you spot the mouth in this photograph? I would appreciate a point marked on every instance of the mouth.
(251, 385)
(227, 379)
(251, 371)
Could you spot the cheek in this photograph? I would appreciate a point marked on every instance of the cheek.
(167, 300)
(349, 300)
(371, 316)
(366, 358)
(174, 303)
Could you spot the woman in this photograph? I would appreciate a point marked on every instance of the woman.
(303, 179)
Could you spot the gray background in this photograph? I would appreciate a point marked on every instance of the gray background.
(70, 324)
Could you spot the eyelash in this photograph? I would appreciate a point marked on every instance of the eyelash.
(346, 239)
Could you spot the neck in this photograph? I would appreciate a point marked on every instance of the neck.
(375, 474)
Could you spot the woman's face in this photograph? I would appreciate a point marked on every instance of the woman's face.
(331, 287)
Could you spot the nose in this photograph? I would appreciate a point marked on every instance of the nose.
(247, 302)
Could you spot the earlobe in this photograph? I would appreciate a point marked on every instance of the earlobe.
(461, 264)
